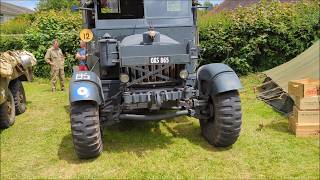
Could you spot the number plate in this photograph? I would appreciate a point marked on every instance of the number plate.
(160, 60)
(82, 77)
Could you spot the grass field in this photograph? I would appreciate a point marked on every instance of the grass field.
(39, 145)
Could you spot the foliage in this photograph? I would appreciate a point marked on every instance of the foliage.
(239, 65)
(10, 43)
(261, 36)
(63, 25)
(18, 25)
(12, 31)
(45, 5)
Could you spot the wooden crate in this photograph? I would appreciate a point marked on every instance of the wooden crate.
(307, 103)
(306, 117)
(304, 88)
(303, 130)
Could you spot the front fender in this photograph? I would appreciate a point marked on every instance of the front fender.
(220, 77)
(86, 86)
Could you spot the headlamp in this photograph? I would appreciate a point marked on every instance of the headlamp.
(184, 74)
(124, 78)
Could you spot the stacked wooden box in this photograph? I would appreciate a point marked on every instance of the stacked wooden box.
(305, 120)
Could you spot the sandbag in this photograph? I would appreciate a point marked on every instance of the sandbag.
(6, 70)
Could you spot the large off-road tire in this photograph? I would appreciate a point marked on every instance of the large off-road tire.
(19, 96)
(7, 112)
(85, 127)
(223, 125)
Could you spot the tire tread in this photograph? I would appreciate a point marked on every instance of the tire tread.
(16, 87)
(85, 127)
(225, 128)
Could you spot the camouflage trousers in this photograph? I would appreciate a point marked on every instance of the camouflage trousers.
(55, 74)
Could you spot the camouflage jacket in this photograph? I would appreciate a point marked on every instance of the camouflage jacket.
(55, 58)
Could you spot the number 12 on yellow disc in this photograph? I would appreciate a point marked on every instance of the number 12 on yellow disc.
(86, 35)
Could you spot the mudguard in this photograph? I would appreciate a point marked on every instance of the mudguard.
(220, 77)
(86, 86)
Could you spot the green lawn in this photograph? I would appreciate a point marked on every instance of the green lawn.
(39, 145)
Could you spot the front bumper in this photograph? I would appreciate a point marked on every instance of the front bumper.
(154, 99)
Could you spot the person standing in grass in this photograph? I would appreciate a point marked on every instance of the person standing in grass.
(55, 58)
(82, 56)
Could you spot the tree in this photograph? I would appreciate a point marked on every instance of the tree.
(44, 5)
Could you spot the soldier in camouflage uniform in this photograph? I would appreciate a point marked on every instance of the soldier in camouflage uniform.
(55, 58)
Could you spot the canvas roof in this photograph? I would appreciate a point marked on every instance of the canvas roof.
(305, 65)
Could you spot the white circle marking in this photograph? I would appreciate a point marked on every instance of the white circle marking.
(82, 91)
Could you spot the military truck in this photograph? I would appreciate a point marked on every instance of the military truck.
(143, 66)
(16, 66)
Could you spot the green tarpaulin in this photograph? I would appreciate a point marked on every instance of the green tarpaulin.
(306, 65)
(274, 90)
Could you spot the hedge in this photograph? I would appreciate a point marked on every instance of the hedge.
(63, 25)
(11, 32)
(10, 42)
(259, 37)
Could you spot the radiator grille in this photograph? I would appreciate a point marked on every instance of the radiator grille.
(153, 74)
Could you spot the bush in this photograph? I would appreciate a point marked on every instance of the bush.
(259, 37)
(11, 37)
(10, 42)
(63, 25)
(241, 66)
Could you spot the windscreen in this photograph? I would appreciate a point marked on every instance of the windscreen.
(120, 9)
(110, 6)
(167, 8)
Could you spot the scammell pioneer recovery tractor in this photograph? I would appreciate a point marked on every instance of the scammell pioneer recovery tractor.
(143, 66)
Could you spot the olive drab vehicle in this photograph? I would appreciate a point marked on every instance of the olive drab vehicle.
(143, 61)
(15, 66)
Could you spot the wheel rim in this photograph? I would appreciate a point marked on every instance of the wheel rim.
(210, 106)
